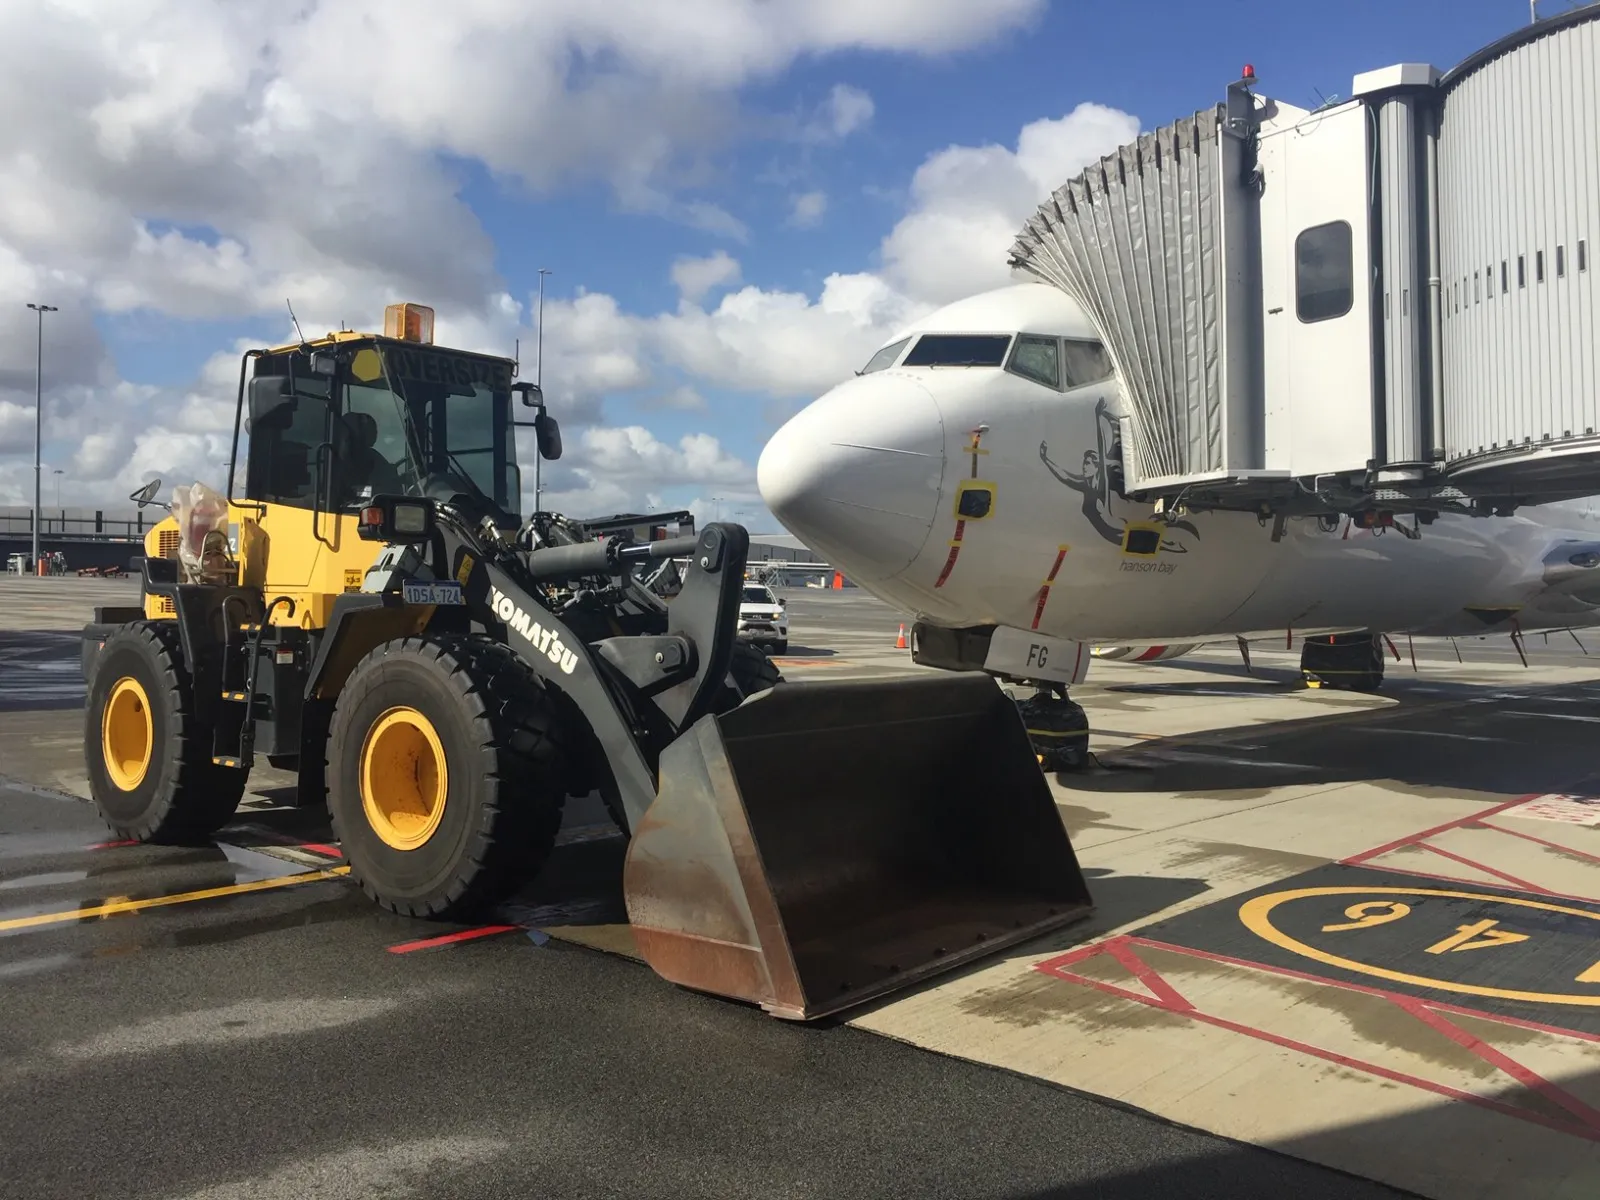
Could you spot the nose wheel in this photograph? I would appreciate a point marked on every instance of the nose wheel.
(1057, 727)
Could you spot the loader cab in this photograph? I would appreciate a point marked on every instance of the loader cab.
(334, 424)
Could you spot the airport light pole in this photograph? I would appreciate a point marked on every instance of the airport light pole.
(38, 428)
(538, 379)
(58, 473)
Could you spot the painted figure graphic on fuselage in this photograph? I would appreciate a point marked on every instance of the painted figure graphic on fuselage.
(1096, 486)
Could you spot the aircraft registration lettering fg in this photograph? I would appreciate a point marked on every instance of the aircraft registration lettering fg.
(946, 477)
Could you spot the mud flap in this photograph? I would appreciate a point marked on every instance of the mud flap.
(824, 844)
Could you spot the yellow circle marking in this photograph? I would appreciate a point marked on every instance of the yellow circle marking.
(1256, 917)
(127, 734)
(404, 778)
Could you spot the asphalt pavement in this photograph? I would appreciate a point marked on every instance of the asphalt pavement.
(270, 1044)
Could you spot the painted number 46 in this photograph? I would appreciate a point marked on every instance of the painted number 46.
(1478, 935)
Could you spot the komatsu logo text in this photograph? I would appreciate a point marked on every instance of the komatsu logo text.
(545, 641)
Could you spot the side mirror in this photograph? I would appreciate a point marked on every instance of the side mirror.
(147, 494)
(548, 432)
(532, 394)
(782, 603)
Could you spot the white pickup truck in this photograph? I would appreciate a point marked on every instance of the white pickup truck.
(762, 618)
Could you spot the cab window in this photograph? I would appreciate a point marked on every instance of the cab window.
(885, 358)
(959, 350)
(756, 594)
(1084, 362)
(289, 425)
(1038, 359)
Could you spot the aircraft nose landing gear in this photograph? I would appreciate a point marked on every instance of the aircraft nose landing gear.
(1345, 661)
(1057, 727)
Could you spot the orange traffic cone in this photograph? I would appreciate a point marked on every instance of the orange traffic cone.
(900, 642)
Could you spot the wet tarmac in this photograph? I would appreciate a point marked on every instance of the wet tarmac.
(236, 1020)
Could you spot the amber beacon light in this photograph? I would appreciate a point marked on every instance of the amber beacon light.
(409, 323)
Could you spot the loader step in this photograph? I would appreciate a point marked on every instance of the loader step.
(236, 696)
(224, 761)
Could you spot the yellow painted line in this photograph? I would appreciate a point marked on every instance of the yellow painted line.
(1256, 916)
(122, 906)
(813, 662)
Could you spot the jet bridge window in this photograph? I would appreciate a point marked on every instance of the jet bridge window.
(1324, 272)
(958, 350)
(885, 358)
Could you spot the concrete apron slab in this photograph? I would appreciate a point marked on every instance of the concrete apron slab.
(1200, 1020)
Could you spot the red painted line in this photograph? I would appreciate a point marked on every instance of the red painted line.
(1145, 974)
(113, 845)
(1044, 592)
(450, 939)
(1526, 1076)
(1344, 1060)
(1487, 870)
(1357, 859)
(1528, 837)
(320, 848)
(1150, 653)
(950, 563)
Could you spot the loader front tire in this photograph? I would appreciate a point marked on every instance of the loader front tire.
(446, 774)
(752, 670)
(146, 745)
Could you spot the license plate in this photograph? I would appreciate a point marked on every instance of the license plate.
(432, 593)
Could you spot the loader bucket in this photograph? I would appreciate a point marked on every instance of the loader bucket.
(824, 844)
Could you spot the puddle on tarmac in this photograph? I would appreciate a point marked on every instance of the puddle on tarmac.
(1230, 860)
(1036, 999)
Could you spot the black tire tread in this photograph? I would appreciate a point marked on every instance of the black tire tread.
(203, 796)
(516, 723)
(752, 670)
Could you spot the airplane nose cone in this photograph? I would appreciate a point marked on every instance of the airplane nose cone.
(856, 474)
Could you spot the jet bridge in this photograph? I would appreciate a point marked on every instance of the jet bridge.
(1387, 303)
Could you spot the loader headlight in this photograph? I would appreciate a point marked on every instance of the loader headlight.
(393, 519)
(410, 518)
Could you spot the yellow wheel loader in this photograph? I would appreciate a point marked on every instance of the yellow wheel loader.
(368, 607)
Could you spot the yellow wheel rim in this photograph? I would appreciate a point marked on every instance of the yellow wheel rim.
(404, 779)
(127, 736)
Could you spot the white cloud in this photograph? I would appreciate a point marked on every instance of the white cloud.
(807, 209)
(694, 277)
(622, 469)
(967, 202)
(184, 159)
(680, 399)
(845, 110)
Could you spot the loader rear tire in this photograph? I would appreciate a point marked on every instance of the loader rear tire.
(146, 745)
(446, 774)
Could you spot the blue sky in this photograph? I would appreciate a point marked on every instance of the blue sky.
(734, 138)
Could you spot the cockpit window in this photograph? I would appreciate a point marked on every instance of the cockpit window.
(958, 350)
(1085, 362)
(885, 358)
(1038, 359)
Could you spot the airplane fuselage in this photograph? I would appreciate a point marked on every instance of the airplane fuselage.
(973, 495)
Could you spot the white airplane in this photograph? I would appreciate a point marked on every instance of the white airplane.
(970, 474)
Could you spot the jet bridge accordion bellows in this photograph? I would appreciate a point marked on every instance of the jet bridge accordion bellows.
(1395, 290)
